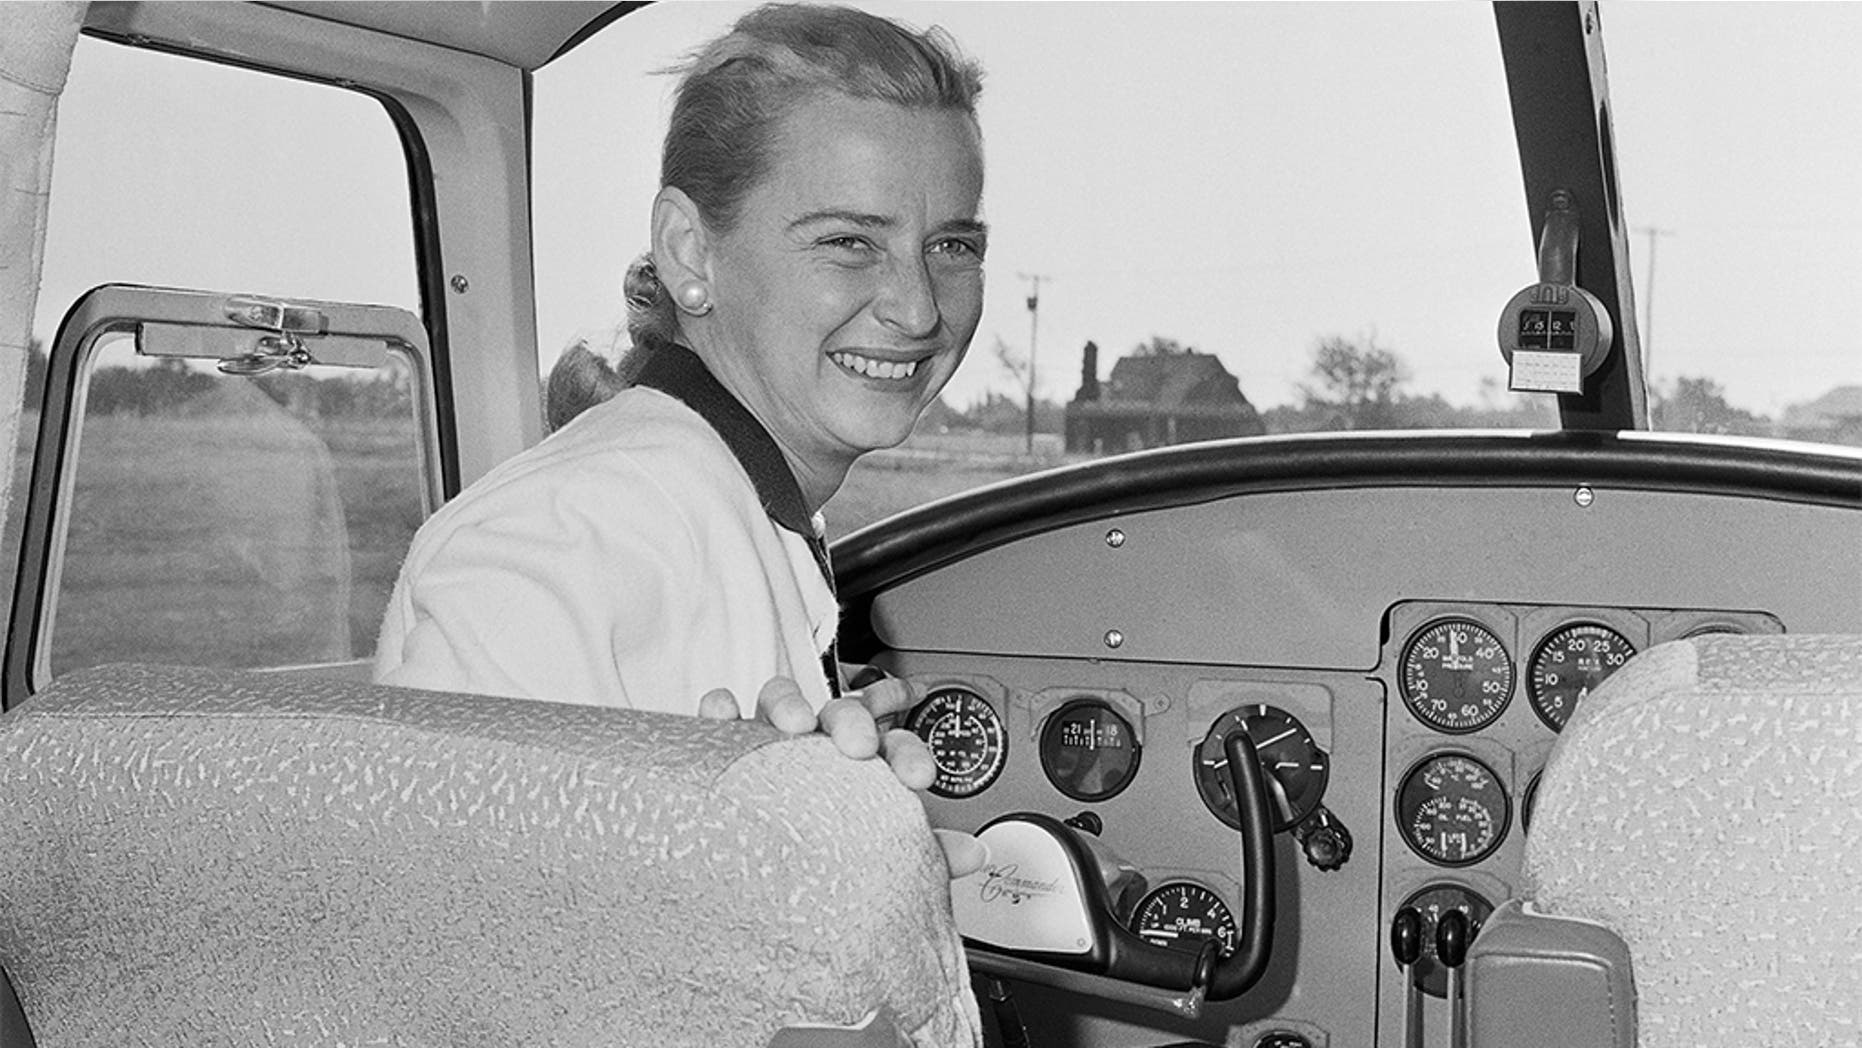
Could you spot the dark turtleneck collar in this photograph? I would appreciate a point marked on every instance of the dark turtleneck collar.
(678, 372)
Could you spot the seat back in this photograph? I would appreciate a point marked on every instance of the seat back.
(211, 857)
(1705, 804)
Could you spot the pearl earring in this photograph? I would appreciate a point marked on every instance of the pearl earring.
(694, 299)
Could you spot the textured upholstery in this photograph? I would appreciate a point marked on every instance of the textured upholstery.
(222, 858)
(1706, 805)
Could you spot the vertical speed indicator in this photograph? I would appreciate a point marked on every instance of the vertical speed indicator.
(1456, 676)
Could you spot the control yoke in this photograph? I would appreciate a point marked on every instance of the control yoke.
(1045, 909)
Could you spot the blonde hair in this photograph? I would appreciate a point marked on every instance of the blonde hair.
(735, 90)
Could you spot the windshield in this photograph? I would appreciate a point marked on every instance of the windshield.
(1214, 220)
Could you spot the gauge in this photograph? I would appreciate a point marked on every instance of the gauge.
(1089, 750)
(1528, 799)
(1452, 810)
(1456, 676)
(966, 739)
(1432, 902)
(1293, 767)
(1183, 915)
(1569, 664)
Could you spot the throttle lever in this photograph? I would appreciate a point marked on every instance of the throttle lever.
(1451, 948)
(1406, 945)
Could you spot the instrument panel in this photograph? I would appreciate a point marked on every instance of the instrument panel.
(1455, 722)
(1402, 701)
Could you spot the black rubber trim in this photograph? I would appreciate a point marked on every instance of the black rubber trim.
(938, 533)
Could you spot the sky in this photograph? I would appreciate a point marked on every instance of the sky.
(1245, 179)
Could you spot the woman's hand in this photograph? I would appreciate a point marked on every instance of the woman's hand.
(853, 723)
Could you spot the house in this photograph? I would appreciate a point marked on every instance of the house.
(1156, 396)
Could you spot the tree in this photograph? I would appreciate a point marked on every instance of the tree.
(1357, 385)
(1159, 346)
(1698, 405)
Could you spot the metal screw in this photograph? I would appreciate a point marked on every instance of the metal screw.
(459, 283)
(1114, 638)
(1115, 538)
(1584, 496)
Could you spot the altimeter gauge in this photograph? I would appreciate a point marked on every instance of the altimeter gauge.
(966, 738)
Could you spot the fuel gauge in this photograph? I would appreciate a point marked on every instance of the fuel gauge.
(1452, 810)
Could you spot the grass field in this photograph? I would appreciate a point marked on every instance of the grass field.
(250, 540)
(256, 539)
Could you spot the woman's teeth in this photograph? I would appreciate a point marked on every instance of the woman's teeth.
(875, 368)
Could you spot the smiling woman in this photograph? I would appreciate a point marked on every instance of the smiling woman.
(814, 280)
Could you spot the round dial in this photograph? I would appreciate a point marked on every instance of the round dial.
(1452, 810)
(1530, 798)
(1089, 750)
(966, 739)
(1431, 902)
(1569, 664)
(1293, 767)
(1456, 676)
(1182, 915)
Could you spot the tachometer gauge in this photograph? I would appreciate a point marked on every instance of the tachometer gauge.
(966, 739)
(1183, 915)
(1569, 664)
(1456, 676)
(1293, 767)
(1452, 810)
(1089, 750)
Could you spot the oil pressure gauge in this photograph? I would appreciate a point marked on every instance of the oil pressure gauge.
(1456, 676)
(1569, 664)
(966, 739)
(1452, 810)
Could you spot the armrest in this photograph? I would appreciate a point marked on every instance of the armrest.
(1539, 981)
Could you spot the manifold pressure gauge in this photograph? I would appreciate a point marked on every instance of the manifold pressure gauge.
(1456, 676)
(966, 738)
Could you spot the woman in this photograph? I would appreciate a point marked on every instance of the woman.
(815, 278)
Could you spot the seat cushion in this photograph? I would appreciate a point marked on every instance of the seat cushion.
(1705, 804)
(205, 858)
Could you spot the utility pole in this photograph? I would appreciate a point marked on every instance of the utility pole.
(1648, 303)
(1034, 319)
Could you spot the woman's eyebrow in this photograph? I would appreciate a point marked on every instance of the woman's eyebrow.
(861, 219)
(971, 226)
(866, 220)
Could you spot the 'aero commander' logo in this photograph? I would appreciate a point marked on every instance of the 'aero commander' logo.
(1001, 882)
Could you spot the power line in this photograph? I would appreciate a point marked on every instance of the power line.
(1034, 317)
(1648, 303)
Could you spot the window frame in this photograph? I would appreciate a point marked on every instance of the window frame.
(122, 308)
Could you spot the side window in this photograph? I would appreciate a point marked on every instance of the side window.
(226, 476)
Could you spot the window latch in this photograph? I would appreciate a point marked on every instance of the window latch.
(286, 324)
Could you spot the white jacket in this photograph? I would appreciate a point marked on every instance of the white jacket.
(624, 561)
